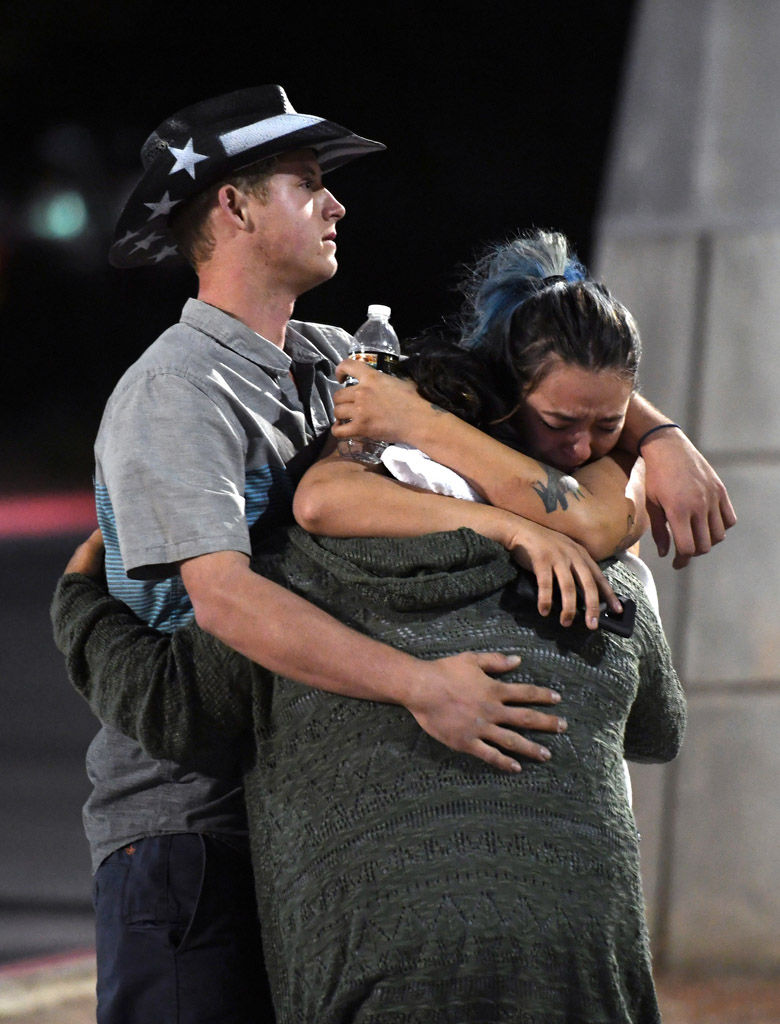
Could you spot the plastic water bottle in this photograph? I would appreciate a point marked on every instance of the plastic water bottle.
(375, 343)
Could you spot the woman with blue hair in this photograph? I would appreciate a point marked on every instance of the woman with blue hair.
(535, 322)
(539, 382)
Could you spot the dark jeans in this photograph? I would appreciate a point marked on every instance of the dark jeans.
(178, 940)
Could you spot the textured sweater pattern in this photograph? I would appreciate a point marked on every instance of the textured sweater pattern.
(399, 881)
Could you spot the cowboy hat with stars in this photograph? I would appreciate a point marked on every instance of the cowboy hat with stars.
(209, 141)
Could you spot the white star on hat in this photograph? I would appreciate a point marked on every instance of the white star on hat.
(127, 237)
(164, 253)
(163, 207)
(186, 159)
(144, 243)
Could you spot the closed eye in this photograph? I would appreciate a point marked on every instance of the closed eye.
(604, 428)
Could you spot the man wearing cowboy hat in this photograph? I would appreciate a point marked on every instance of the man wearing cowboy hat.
(201, 442)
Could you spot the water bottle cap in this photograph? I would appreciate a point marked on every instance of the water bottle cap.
(379, 312)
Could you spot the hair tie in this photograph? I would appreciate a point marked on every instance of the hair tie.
(553, 279)
(652, 430)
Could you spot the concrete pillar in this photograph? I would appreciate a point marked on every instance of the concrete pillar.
(689, 239)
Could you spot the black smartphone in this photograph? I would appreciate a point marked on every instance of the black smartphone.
(622, 624)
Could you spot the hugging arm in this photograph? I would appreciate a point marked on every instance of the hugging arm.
(341, 498)
(600, 510)
(180, 695)
(686, 497)
(172, 692)
(656, 723)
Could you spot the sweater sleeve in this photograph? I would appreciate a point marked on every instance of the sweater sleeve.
(656, 722)
(180, 695)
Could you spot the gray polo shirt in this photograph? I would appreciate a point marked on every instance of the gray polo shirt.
(203, 438)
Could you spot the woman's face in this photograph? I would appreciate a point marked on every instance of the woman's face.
(573, 415)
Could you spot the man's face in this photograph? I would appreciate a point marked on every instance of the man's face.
(295, 241)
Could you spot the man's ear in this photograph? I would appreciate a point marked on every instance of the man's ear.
(234, 206)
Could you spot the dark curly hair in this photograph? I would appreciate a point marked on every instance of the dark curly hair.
(527, 302)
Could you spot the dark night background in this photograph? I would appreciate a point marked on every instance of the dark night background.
(496, 117)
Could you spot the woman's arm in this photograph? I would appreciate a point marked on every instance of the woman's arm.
(656, 723)
(184, 696)
(173, 692)
(604, 513)
(341, 498)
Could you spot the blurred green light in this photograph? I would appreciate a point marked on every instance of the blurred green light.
(59, 216)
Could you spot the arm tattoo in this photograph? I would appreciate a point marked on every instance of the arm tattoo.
(556, 490)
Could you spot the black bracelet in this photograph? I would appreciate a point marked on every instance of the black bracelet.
(652, 430)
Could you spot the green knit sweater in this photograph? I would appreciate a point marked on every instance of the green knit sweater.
(399, 881)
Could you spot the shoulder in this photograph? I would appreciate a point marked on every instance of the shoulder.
(179, 363)
(180, 350)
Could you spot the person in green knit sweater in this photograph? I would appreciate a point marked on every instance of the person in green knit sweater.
(399, 880)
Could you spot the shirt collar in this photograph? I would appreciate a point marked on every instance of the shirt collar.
(233, 334)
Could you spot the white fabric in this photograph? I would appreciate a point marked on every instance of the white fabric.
(645, 577)
(411, 466)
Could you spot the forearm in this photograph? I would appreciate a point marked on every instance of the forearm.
(601, 515)
(340, 498)
(292, 637)
(454, 699)
(176, 694)
(617, 481)
(391, 409)
(641, 416)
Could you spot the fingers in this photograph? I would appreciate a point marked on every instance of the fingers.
(482, 716)
(585, 593)
(355, 368)
(695, 536)
(544, 590)
(500, 745)
(511, 745)
(494, 663)
(357, 408)
(509, 710)
(717, 526)
(698, 534)
(591, 597)
(530, 718)
(88, 556)
(727, 514)
(697, 519)
(581, 585)
(659, 529)
(605, 591)
(494, 757)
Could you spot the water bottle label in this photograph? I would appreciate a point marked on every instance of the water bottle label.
(384, 361)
